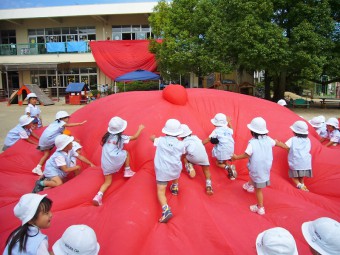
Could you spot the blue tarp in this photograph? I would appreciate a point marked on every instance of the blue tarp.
(76, 46)
(76, 87)
(55, 47)
(138, 75)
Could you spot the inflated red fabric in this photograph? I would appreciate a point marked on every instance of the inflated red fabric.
(127, 223)
(116, 58)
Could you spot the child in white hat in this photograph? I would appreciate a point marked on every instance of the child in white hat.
(21, 131)
(282, 102)
(318, 123)
(299, 156)
(222, 138)
(46, 141)
(113, 154)
(34, 212)
(260, 154)
(58, 165)
(322, 235)
(78, 240)
(197, 155)
(168, 164)
(32, 110)
(333, 133)
(276, 241)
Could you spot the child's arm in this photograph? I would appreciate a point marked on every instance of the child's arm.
(152, 138)
(241, 156)
(281, 144)
(229, 122)
(330, 143)
(35, 135)
(322, 139)
(69, 169)
(135, 136)
(31, 141)
(75, 124)
(84, 159)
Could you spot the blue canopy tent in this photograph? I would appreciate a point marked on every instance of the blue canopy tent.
(76, 87)
(76, 93)
(138, 75)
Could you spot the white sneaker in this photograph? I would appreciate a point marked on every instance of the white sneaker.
(128, 173)
(248, 187)
(97, 200)
(256, 209)
(190, 169)
(37, 170)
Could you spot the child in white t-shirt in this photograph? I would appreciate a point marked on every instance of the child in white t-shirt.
(333, 133)
(32, 109)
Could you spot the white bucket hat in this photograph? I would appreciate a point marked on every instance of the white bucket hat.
(333, 122)
(61, 141)
(27, 206)
(219, 120)
(186, 131)
(258, 125)
(31, 95)
(61, 115)
(276, 241)
(300, 127)
(116, 125)
(172, 127)
(282, 102)
(316, 122)
(77, 239)
(323, 235)
(76, 146)
(25, 120)
(322, 118)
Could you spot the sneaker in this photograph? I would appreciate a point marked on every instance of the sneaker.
(38, 187)
(256, 209)
(248, 187)
(174, 189)
(302, 187)
(190, 169)
(37, 170)
(232, 174)
(128, 173)
(166, 216)
(97, 200)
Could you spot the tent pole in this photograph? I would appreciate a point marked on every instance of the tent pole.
(124, 86)
(159, 84)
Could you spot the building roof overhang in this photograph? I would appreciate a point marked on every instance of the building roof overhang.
(34, 66)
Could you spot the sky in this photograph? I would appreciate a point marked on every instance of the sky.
(14, 4)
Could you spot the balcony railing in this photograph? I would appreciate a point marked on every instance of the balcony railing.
(44, 48)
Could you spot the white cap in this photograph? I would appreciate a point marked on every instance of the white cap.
(276, 241)
(258, 125)
(300, 127)
(172, 127)
(323, 235)
(30, 95)
(61, 141)
(25, 120)
(27, 206)
(219, 120)
(282, 102)
(316, 122)
(186, 131)
(333, 122)
(61, 115)
(77, 239)
(116, 125)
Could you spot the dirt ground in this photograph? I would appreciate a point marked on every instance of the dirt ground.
(9, 115)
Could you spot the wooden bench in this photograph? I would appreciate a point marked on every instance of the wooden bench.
(300, 102)
(327, 101)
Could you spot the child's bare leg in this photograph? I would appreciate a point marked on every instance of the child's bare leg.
(161, 194)
(127, 160)
(301, 180)
(208, 184)
(106, 184)
(44, 157)
(221, 163)
(259, 197)
(127, 170)
(53, 182)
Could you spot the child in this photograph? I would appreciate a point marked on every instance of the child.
(222, 138)
(113, 155)
(333, 133)
(260, 154)
(319, 125)
(282, 102)
(32, 110)
(34, 211)
(322, 235)
(21, 131)
(77, 239)
(168, 164)
(196, 154)
(46, 141)
(58, 165)
(299, 157)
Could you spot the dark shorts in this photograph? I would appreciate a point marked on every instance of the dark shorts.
(41, 148)
(300, 173)
(260, 185)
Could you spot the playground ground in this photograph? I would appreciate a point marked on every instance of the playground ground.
(9, 115)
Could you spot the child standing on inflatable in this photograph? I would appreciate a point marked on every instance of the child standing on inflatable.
(196, 154)
(168, 164)
(299, 157)
(34, 212)
(21, 131)
(46, 141)
(32, 110)
(222, 138)
(113, 154)
(333, 133)
(260, 154)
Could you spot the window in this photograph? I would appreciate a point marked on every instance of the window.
(131, 32)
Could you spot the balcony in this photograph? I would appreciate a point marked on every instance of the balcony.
(44, 48)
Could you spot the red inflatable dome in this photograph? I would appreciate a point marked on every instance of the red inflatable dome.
(127, 222)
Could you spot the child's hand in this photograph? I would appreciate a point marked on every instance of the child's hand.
(83, 122)
(233, 157)
(229, 119)
(141, 127)
(92, 165)
(152, 138)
